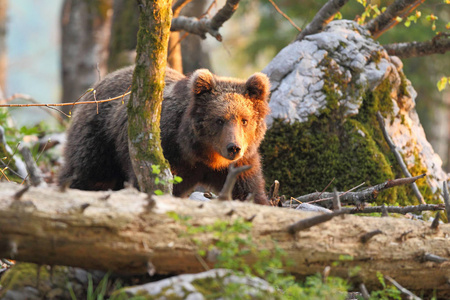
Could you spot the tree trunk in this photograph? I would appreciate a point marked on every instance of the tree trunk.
(3, 52)
(144, 108)
(126, 232)
(124, 28)
(195, 56)
(85, 37)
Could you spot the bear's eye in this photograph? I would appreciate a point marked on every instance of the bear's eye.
(220, 122)
(244, 122)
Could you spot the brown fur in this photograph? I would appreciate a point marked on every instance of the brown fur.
(207, 123)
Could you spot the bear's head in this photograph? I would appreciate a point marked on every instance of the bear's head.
(227, 116)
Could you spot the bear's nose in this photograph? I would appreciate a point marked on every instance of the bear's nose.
(233, 150)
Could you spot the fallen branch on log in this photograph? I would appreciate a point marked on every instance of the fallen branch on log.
(126, 233)
(399, 157)
(356, 198)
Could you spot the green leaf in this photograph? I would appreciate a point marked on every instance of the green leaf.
(156, 169)
(177, 179)
(442, 83)
(159, 192)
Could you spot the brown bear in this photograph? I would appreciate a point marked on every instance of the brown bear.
(207, 123)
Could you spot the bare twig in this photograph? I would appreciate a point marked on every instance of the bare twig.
(332, 195)
(322, 18)
(401, 288)
(204, 25)
(233, 173)
(178, 6)
(439, 44)
(368, 194)
(396, 209)
(68, 103)
(284, 15)
(388, 19)
(313, 221)
(447, 200)
(34, 101)
(399, 157)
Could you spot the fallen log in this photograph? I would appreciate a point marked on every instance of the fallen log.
(126, 232)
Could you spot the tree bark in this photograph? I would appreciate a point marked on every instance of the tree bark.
(128, 233)
(195, 56)
(3, 50)
(144, 107)
(85, 38)
(124, 28)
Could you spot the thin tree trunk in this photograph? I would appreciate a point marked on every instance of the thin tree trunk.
(144, 108)
(124, 28)
(195, 55)
(85, 37)
(3, 50)
(127, 232)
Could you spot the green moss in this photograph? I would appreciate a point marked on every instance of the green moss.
(24, 275)
(306, 156)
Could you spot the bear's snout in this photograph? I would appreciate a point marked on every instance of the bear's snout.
(233, 150)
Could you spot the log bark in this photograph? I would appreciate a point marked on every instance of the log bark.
(126, 233)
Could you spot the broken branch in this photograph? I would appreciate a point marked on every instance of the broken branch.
(388, 19)
(439, 44)
(324, 16)
(399, 157)
(204, 25)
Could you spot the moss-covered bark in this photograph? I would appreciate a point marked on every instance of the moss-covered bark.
(306, 156)
(144, 107)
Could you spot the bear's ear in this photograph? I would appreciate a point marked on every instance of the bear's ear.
(258, 86)
(202, 81)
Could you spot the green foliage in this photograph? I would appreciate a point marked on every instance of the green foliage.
(156, 170)
(388, 291)
(234, 244)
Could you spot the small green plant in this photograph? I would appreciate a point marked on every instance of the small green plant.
(388, 291)
(233, 246)
(156, 169)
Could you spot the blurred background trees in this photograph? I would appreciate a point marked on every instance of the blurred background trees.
(58, 48)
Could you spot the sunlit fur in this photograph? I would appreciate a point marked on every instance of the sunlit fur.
(193, 140)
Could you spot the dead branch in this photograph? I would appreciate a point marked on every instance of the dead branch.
(284, 15)
(447, 201)
(33, 101)
(353, 198)
(324, 16)
(313, 221)
(34, 173)
(233, 173)
(83, 229)
(399, 157)
(401, 288)
(396, 209)
(388, 19)
(439, 44)
(205, 25)
(434, 258)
